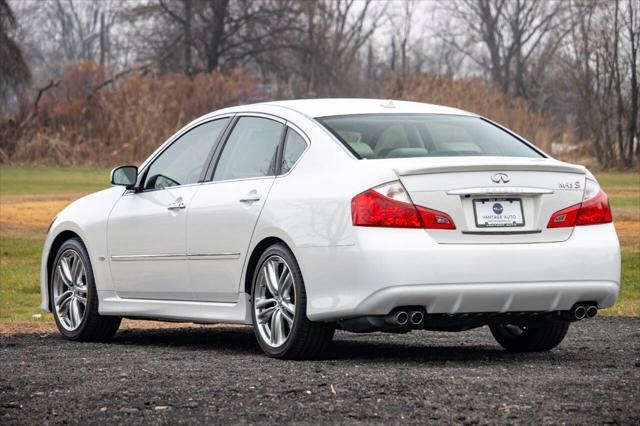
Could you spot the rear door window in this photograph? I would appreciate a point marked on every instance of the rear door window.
(251, 150)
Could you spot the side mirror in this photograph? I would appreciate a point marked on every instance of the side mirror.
(124, 176)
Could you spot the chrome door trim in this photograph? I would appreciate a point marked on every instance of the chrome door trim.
(148, 257)
(175, 256)
(214, 256)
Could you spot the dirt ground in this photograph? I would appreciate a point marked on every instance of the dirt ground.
(218, 375)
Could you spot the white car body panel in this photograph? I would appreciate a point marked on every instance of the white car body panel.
(349, 271)
(147, 244)
(219, 231)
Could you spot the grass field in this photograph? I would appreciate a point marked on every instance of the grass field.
(31, 196)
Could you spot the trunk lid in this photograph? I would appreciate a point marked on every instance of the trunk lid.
(494, 200)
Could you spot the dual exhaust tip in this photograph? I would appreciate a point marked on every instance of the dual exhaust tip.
(403, 317)
(584, 311)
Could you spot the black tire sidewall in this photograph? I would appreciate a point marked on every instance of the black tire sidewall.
(539, 337)
(92, 299)
(301, 308)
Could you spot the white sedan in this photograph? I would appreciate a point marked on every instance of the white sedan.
(301, 217)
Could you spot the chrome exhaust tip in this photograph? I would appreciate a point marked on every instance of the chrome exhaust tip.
(591, 311)
(579, 312)
(416, 317)
(397, 318)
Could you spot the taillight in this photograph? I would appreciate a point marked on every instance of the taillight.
(565, 217)
(433, 219)
(594, 209)
(389, 206)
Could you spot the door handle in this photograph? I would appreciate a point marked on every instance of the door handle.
(251, 197)
(176, 206)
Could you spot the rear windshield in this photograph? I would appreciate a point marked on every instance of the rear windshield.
(376, 136)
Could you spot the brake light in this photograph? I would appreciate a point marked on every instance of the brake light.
(389, 206)
(594, 209)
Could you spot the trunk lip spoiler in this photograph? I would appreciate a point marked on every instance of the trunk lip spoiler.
(455, 168)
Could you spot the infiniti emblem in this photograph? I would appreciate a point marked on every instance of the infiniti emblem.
(500, 178)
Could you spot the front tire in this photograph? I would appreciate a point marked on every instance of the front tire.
(279, 309)
(536, 337)
(74, 299)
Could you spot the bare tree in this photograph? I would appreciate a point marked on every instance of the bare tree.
(324, 51)
(193, 36)
(14, 71)
(601, 63)
(401, 37)
(512, 40)
(314, 43)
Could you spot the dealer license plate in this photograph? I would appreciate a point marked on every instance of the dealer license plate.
(498, 212)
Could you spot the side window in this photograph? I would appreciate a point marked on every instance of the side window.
(182, 162)
(293, 148)
(250, 150)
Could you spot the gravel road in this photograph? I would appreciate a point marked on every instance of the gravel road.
(218, 375)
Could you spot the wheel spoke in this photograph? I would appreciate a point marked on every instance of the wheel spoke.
(77, 278)
(271, 277)
(289, 307)
(287, 317)
(62, 298)
(63, 307)
(73, 312)
(66, 270)
(261, 303)
(286, 283)
(82, 300)
(75, 269)
(277, 329)
(61, 273)
(266, 315)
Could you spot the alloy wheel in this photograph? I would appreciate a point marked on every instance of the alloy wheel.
(275, 301)
(70, 289)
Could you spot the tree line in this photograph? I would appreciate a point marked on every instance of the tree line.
(573, 61)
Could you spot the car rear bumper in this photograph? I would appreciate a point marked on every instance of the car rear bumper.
(490, 297)
(387, 268)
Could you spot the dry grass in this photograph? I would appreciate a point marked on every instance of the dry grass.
(31, 213)
(477, 96)
(123, 123)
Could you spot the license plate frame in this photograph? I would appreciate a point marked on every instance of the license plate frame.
(499, 221)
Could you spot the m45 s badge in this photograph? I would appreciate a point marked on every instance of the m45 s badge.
(570, 185)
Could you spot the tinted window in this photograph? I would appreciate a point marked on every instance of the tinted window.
(424, 135)
(250, 150)
(293, 149)
(182, 162)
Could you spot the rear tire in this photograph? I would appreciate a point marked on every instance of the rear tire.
(76, 286)
(537, 337)
(298, 337)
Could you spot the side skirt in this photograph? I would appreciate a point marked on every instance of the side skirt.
(175, 310)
